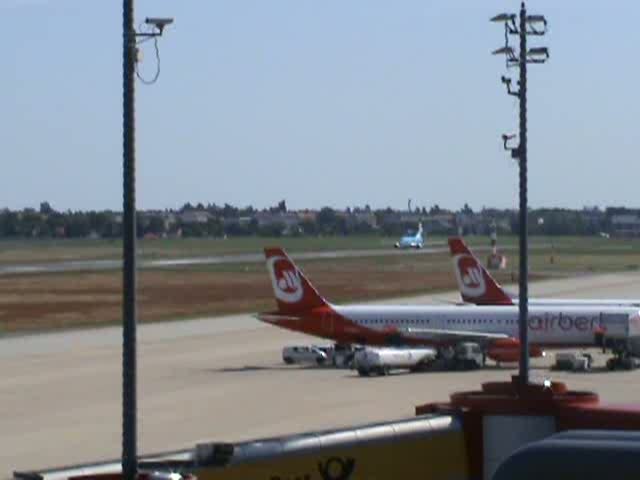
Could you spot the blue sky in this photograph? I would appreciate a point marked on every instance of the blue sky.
(331, 102)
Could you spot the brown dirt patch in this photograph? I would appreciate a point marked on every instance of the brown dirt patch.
(53, 301)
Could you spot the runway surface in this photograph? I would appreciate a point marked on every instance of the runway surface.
(100, 265)
(223, 379)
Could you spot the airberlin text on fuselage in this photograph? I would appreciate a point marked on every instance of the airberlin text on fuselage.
(562, 321)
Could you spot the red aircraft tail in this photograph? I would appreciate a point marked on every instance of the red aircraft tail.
(474, 281)
(294, 293)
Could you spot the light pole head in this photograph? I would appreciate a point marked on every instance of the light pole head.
(503, 18)
(159, 23)
(534, 22)
(538, 55)
(506, 138)
(508, 53)
(509, 21)
(533, 19)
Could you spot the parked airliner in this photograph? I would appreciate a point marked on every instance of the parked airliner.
(301, 308)
(478, 287)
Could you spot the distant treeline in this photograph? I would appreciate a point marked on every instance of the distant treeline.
(217, 221)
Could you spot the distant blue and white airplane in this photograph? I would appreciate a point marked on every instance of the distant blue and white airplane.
(411, 239)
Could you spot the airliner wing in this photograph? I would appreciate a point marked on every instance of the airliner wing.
(457, 335)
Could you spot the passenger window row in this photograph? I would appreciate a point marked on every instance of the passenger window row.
(465, 321)
(480, 321)
(409, 321)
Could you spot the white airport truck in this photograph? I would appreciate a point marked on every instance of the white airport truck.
(464, 356)
(382, 360)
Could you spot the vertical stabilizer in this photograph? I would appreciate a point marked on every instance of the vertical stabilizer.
(293, 292)
(474, 281)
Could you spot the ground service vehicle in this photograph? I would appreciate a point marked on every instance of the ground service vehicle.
(468, 356)
(304, 354)
(623, 362)
(343, 355)
(382, 360)
(575, 362)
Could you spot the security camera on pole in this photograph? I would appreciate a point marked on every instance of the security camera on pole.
(527, 25)
(130, 41)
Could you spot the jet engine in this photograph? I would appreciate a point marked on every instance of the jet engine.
(508, 350)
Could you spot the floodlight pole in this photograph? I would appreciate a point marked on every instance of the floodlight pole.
(129, 319)
(527, 25)
(523, 292)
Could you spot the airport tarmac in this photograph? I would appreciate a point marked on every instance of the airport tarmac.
(115, 264)
(223, 379)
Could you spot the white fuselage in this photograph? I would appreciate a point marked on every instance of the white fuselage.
(547, 325)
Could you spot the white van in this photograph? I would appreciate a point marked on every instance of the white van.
(304, 355)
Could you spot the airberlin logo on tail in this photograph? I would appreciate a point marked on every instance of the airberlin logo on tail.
(469, 275)
(285, 279)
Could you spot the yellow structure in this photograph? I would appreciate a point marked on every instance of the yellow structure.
(431, 446)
